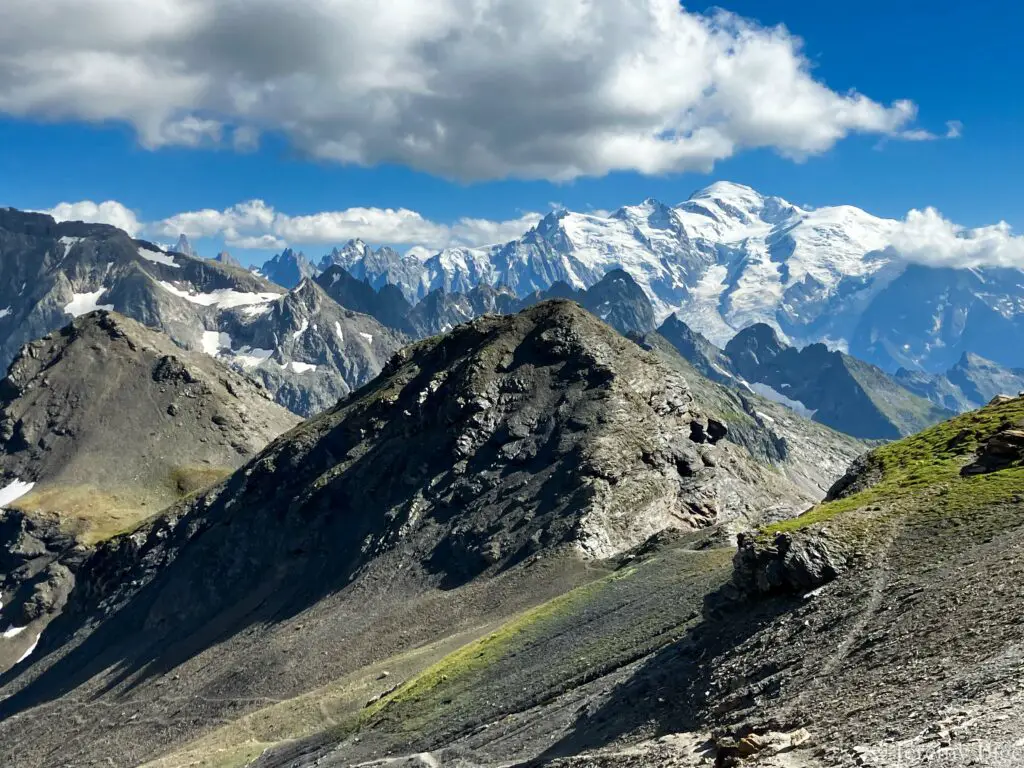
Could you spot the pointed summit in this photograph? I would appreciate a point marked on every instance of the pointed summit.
(288, 268)
(184, 246)
(227, 260)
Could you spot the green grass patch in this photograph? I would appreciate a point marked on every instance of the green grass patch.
(465, 663)
(532, 658)
(924, 471)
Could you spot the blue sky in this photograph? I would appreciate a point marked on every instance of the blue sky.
(954, 61)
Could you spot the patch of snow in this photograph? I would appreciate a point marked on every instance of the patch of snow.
(214, 342)
(69, 243)
(337, 330)
(721, 370)
(302, 367)
(255, 310)
(836, 345)
(13, 632)
(158, 257)
(84, 303)
(224, 298)
(28, 653)
(250, 357)
(302, 329)
(5, 312)
(764, 416)
(765, 391)
(367, 336)
(14, 491)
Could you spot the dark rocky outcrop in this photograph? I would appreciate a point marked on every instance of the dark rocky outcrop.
(387, 305)
(787, 563)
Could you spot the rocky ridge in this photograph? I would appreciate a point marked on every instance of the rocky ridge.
(968, 385)
(527, 446)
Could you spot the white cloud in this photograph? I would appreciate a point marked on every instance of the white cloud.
(485, 232)
(954, 130)
(109, 212)
(255, 224)
(471, 89)
(925, 237)
(257, 242)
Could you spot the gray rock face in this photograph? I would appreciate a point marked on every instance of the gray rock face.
(615, 298)
(106, 412)
(227, 260)
(711, 361)
(788, 564)
(440, 311)
(307, 350)
(288, 268)
(103, 424)
(387, 304)
(184, 246)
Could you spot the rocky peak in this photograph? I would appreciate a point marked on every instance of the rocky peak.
(754, 346)
(511, 436)
(184, 246)
(288, 268)
(387, 305)
(227, 260)
(619, 301)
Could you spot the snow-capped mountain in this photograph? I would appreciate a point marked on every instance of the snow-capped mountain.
(385, 266)
(306, 349)
(729, 257)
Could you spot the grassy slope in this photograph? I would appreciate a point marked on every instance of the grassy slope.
(459, 682)
(922, 473)
(94, 514)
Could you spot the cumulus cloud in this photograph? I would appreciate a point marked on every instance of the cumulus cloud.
(926, 237)
(470, 89)
(109, 212)
(255, 224)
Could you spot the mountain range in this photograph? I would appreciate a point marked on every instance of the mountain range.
(730, 257)
(306, 349)
(485, 471)
(332, 333)
(529, 541)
